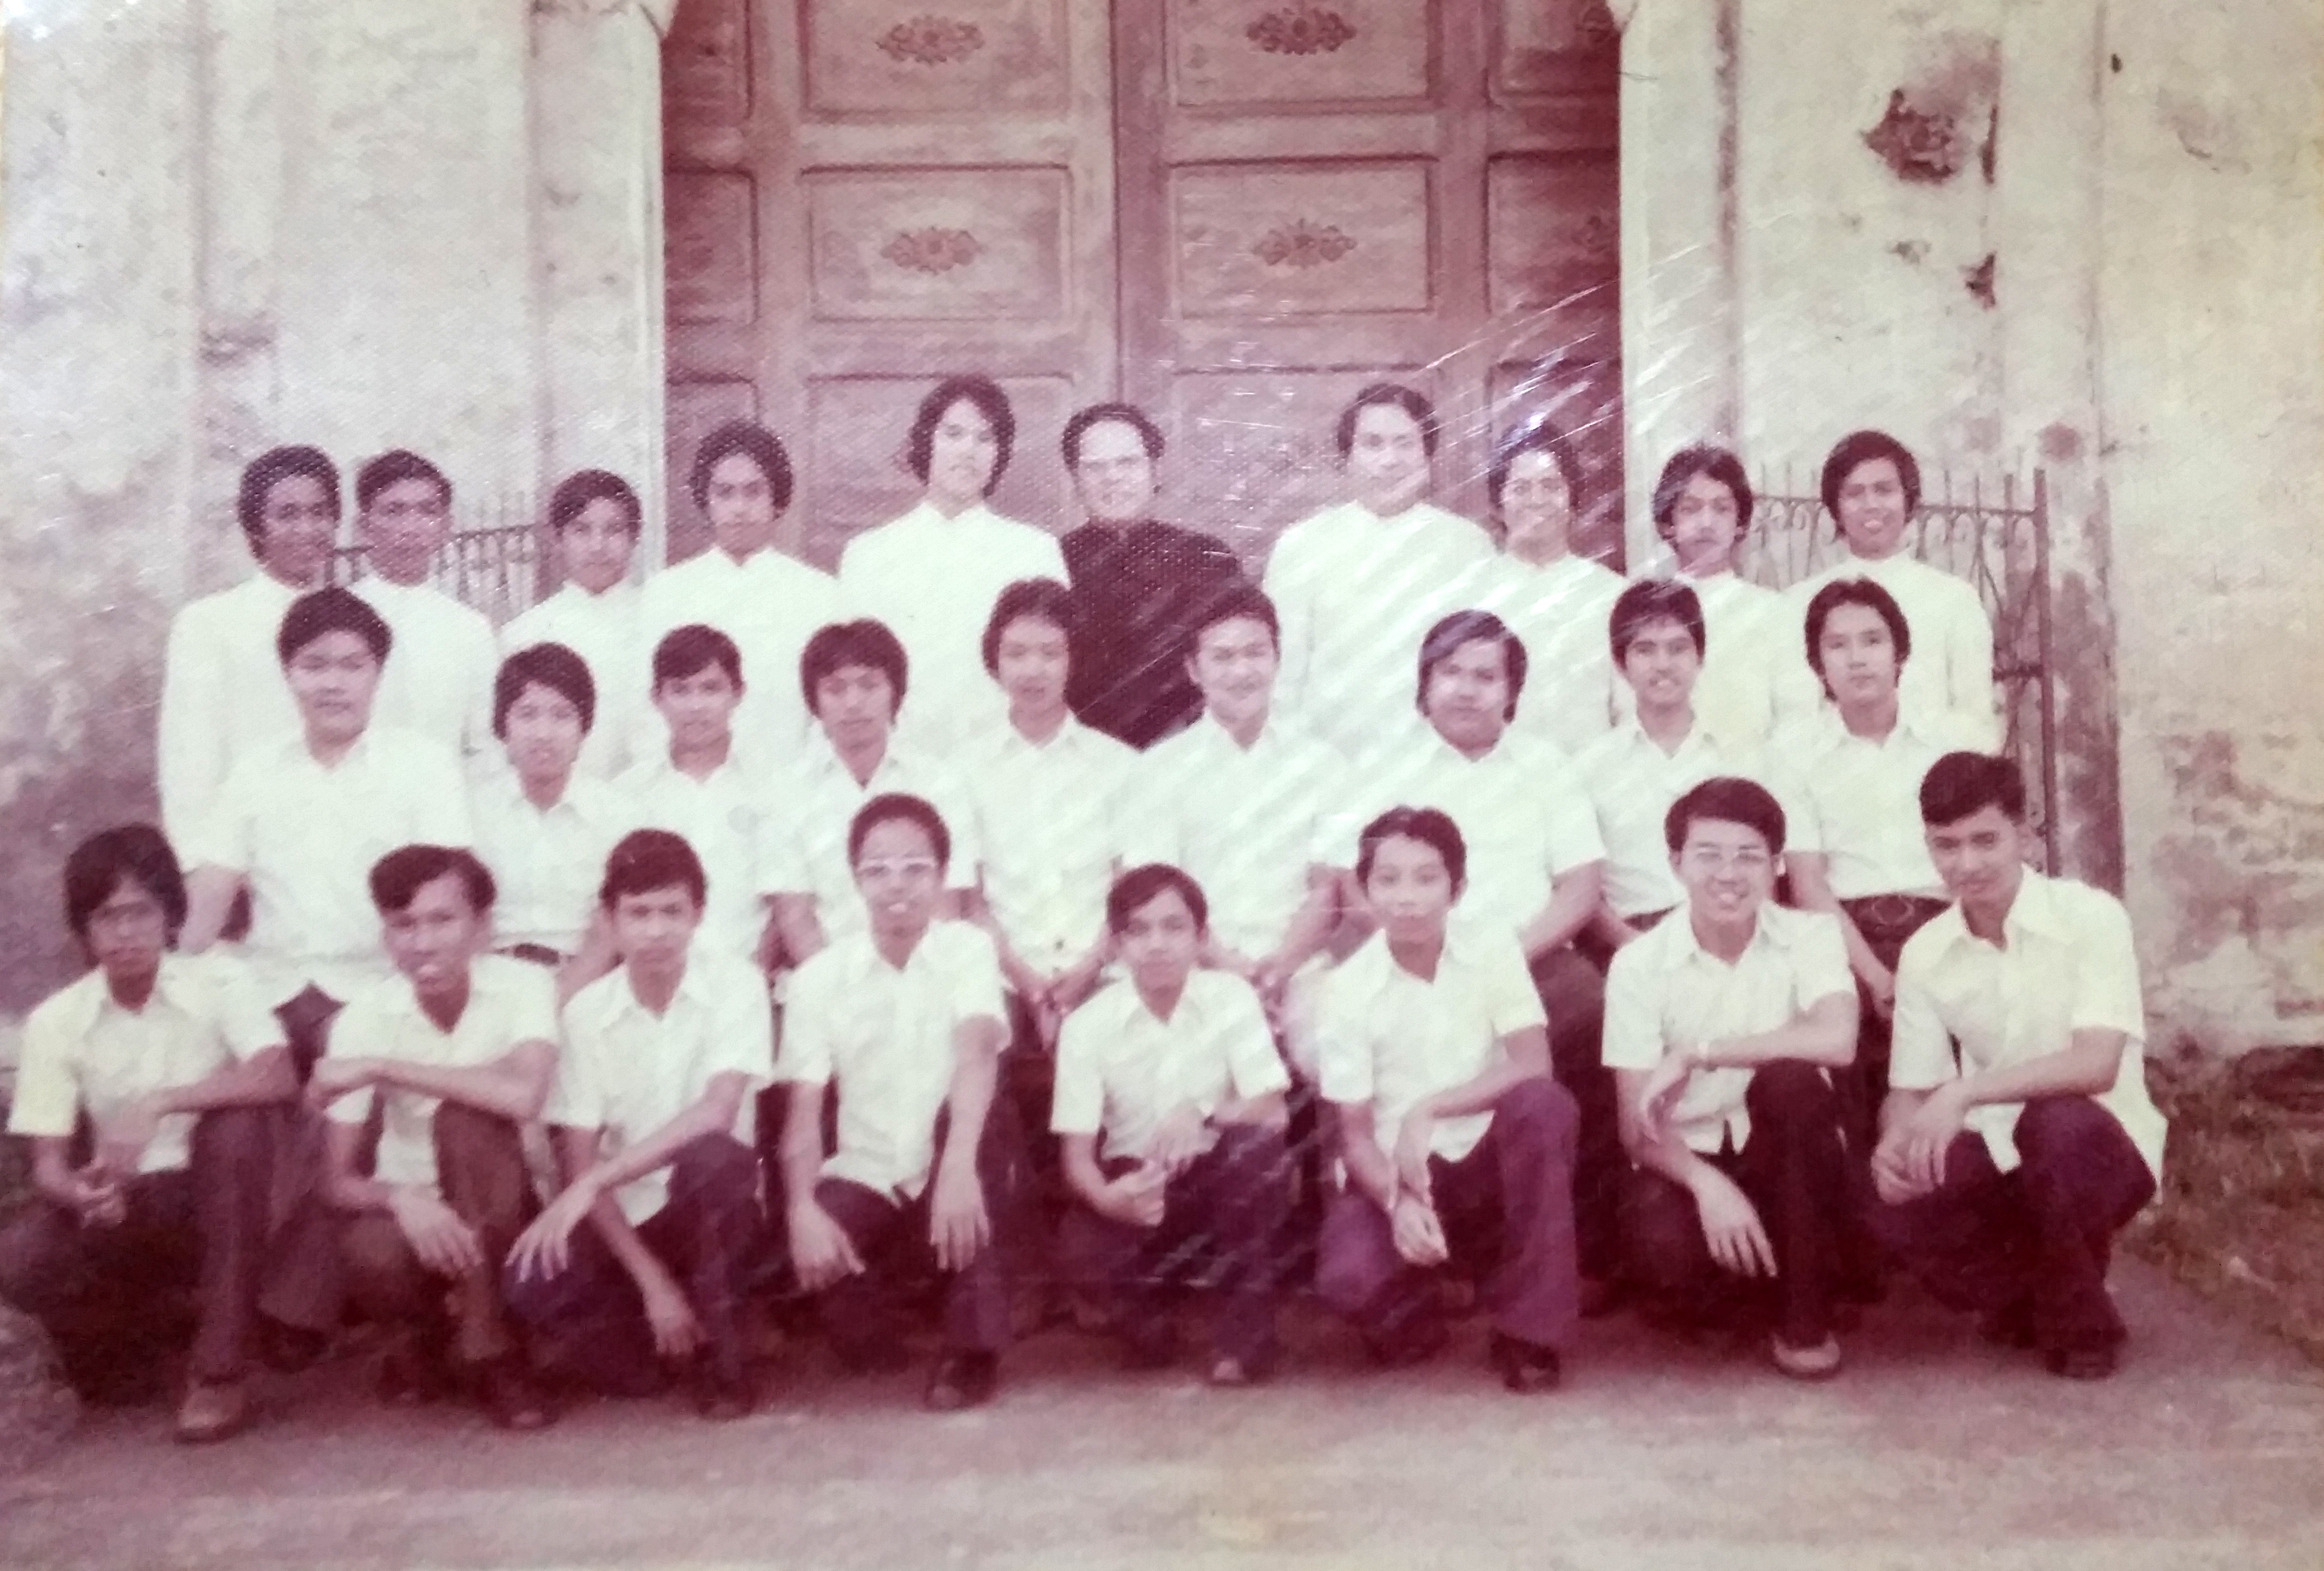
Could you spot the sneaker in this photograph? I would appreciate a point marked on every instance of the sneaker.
(212, 1410)
(2084, 1362)
(964, 1380)
(509, 1398)
(1525, 1367)
(1816, 1360)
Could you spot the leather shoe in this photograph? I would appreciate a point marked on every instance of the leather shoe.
(212, 1410)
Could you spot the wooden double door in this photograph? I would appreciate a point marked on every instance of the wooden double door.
(1232, 212)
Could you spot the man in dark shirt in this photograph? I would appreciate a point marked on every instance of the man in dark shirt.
(1136, 582)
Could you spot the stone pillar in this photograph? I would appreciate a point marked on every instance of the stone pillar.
(1680, 328)
(98, 342)
(597, 164)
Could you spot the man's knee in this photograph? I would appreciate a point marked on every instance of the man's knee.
(1538, 1106)
(2055, 1129)
(1355, 1254)
(235, 1139)
(715, 1164)
(1661, 1231)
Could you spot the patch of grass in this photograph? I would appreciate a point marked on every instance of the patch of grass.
(2241, 1215)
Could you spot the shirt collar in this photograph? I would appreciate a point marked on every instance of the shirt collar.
(1773, 929)
(92, 996)
(923, 515)
(2034, 913)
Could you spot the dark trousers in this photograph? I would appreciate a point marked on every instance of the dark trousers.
(1795, 1174)
(1508, 1212)
(1886, 921)
(481, 1175)
(864, 1315)
(1223, 1221)
(588, 1323)
(1573, 994)
(106, 1294)
(305, 1016)
(2035, 1241)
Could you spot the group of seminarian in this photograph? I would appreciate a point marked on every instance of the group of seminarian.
(1437, 921)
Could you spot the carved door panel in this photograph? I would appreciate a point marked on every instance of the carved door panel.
(1316, 194)
(865, 195)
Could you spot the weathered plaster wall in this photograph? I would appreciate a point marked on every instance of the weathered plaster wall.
(2213, 302)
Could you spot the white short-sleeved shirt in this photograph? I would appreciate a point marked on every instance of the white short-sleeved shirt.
(1865, 798)
(1389, 1039)
(933, 581)
(626, 1071)
(887, 1039)
(1560, 613)
(83, 1052)
(510, 1003)
(549, 866)
(1355, 594)
(1121, 1069)
(1246, 824)
(725, 816)
(1950, 669)
(223, 693)
(1751, 638)
(1048, 821)
(305, 837)
(2069, 965)
(803, 847)
(607, 631)
(769, 606)
(439, 679)
(1632, 783)
(1665, 991)
(1522, 810)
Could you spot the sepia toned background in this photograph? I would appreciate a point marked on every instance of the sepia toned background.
(2079, 239)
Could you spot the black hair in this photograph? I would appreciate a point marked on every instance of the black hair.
(1445, 639)
(1043, 599)
(1535, 436)
(896, 808)
(264, 473)
(1149, 435)
(1727, 800)
(1140, 886)
(1238, 600)
(398, 877)
(689, 651)
(1960, 784)
(1429, 825)
(1862, 592)
(393, 467)
(1388, 395)
(1652, 600)
(754, 443)
(131, 853)
(331, 610)
(577, 491)
(863, 642)
(1860, 447)
(549, 665)
(990, 403)
(1709, 462)
(645, 860)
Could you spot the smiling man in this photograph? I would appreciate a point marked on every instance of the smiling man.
(439, 682)
(2019, 1138)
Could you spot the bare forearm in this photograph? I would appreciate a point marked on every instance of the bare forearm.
(514, 1088)
(53, 1171)
(1368, 1166)
(1082, 1175)
(1812, 891)
(1575, 898)
(802, 1151)
(1823, 1034)
(1265, 1110)
(262, 1079)
(2085, 1069)
(974, 1075)
(209, 900)
(594, 958)
(799, 927)
(1311, 926)
(711, 1113)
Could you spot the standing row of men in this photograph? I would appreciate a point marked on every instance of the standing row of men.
(1497, 874)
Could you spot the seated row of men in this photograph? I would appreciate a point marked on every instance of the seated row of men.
(2016, 1138)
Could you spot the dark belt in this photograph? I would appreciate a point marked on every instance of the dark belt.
(1898, 916)
(539, 954)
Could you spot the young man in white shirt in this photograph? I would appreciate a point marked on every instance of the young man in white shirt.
(222, 686)
(1721, 1026)
(1356, 585)
(1871, 487)
(1856, 766)
(1171, 1103)
(447, 1061)
(440, 682)
(1702, 506)
(855, 676)
(900, 1024)
(700, 787)
(933, 574)
(302, 820)
(2019, 1137)
(1554, 599)
(765, 599)
(1457, 1145)
(178, 1067)
(595, 519)
(645, 1260)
